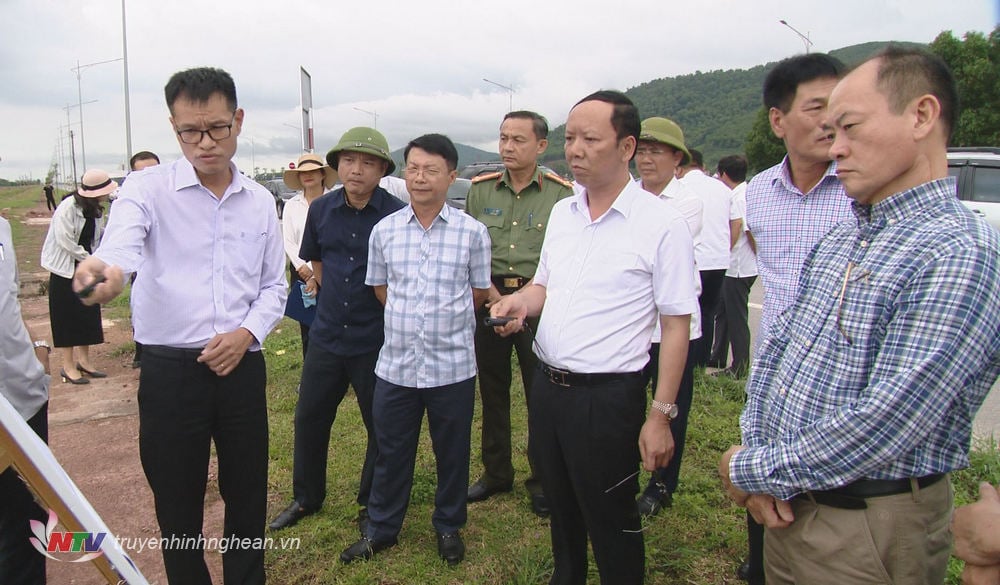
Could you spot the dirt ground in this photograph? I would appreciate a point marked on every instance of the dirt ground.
(94, 434)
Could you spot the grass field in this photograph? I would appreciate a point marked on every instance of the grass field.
(700, 540)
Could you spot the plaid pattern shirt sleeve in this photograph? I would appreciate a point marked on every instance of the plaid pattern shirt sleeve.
(888, 351)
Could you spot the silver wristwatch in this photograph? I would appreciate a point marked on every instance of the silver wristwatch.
(669, 410)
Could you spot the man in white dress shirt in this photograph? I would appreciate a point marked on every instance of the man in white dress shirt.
(614, 261)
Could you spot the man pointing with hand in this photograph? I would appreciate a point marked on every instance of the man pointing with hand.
(614, 260)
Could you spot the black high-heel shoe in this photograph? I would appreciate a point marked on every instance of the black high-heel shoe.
(66, 378)
(91, 373)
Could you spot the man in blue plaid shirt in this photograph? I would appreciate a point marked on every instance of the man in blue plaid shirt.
(862, 399)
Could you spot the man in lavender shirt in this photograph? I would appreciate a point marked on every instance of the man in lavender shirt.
(211, 288)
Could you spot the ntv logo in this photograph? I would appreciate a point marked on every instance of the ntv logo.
(48, 541)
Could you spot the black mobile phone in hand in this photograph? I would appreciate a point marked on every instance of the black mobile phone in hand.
(89, 289)
(497, 321)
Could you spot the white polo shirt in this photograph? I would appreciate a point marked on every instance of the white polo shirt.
(715, 196)
(608, 280)
(689, 205)
(742, 260)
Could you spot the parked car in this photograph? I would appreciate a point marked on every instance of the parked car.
(281, 192)
(473, 170)
(458, 192)
(977, 170)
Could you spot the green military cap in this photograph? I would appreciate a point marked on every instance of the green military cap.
(363, 139)
(667, 132)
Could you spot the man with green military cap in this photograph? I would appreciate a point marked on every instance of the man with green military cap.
(348, 331)
(660, 152)
(514, 205)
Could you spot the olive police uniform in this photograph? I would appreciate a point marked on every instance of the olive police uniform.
(516, 223)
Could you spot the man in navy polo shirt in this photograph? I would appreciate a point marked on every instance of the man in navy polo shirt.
(347, 333)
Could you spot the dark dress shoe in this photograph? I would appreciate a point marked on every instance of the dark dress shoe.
(364, 549)
(540, 505)
(363, 521)
(66, 378)
(91, 373)
(743, 571)
(450, 547)
(290, 516)
(479, 491)
(654, 498)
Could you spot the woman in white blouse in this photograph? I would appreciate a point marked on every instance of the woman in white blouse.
(73, 234)
(311, 176)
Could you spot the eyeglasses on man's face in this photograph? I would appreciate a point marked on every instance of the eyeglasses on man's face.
(216, 133)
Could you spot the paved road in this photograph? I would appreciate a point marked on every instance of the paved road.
(986, 426)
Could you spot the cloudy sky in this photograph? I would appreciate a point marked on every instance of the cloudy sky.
(418, 64)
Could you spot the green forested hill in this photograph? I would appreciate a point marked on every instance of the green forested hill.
(716, 108)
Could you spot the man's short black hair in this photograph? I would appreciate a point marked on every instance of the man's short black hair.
(142, 155)
(198, 85)
(784, 80)
(733, 166)
(437, 144)
(624, 116)
(538, 122)
(904, 74)
(697, 159)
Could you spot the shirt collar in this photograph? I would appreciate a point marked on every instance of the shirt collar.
(185, 176)
(444, 214)
(899, 206)
(505, 179)
(377, 200)
(622, 203)
(785, 176)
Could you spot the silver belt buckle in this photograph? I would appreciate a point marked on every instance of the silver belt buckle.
(558, 377)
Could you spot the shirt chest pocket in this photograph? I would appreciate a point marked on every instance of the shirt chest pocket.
(246, 251)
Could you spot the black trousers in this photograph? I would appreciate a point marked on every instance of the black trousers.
(586, 442)
(20, 563)
(670, 475)
(755, 541)
(732, 324)
(183, 408)
(399, 412)
(325, 378)
(493, 359)
(708, 303)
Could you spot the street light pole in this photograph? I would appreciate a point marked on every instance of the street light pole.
(79, 93)
(373, 114)
(804, 37)
(510, 93)
(69, 125)
(128, 113)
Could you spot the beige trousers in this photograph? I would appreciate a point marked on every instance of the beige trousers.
(899, 540)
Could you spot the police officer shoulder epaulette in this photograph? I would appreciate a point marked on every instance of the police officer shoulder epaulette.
(554, 177)
(487, 177)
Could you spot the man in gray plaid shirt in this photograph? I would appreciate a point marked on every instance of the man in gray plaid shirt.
(862, 398)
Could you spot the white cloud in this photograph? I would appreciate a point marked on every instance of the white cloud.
(419, 65)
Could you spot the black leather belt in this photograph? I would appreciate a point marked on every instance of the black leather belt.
(174, 353)
(561, 377)
(509, 283)
(852, 496)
